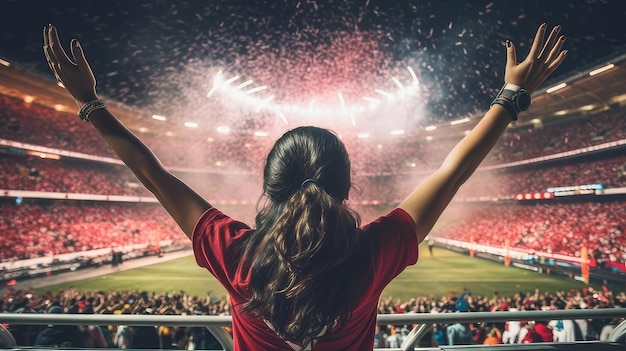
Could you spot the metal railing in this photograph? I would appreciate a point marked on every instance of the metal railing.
(423, 323)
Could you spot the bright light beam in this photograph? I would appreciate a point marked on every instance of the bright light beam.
(400, 85)
(230, 80)
(343, 103)
(384, 93)
(369, 99)
(415, 80)
(254, 90)
(244, 84)
(282, 117)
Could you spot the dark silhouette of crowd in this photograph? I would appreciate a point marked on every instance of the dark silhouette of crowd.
(73, 301)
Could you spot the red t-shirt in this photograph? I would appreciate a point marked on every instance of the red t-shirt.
(389, 245)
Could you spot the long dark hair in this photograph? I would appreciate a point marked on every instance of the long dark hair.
(299, 257)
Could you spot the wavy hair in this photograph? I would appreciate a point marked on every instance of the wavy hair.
(302, 277)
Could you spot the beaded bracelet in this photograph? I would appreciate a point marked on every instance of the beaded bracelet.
(88, 108)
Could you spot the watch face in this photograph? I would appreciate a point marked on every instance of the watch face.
(523, 100)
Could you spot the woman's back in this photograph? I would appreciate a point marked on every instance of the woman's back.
(387, 247)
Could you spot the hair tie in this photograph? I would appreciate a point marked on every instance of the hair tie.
(310, 180)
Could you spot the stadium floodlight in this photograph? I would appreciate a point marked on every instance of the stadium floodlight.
(431, 128)
(343, 103)
(217, 81)
(397, 132)
(244, 84)
(260, 133)
(159, 118)
(556, 87)
(587, 107)
(5, 63)
(230, 80)
(372, 100)
(29, 99)
(223, 129)
(601, 69)
(143, 129)
(282, 117)
(398, 83)
(415, 80)
(383, 93)
(191, 124)
(460, 121)
(254, 90)
(363, 135)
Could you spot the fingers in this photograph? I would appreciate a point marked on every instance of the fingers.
(556, 49)
(79, 55)
(511, 55)
(537, 43)
(57, 48)
(550, 42)
(52, 49)
(557, 62)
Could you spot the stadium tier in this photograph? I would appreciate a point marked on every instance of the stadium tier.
(50, 154)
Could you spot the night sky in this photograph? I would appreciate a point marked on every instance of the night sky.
(158, 55)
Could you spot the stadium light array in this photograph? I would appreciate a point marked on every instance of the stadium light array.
(5, 63)
(343, 107)
(159, 118)
(601, 69)
(431, 128)
(191, 124)
(556, 87)
(460, 121)
(223, 129)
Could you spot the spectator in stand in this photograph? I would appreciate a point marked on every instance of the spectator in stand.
(65, 336)
(280, 265)
(494, 336)
(537, 331)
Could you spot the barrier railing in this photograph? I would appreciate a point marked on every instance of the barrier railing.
(422, 321)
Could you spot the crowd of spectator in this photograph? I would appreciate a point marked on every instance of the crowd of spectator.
(38, 229)
(243, 152)
(562, 228)
(87, 177)
(226, 170)
(73, 301)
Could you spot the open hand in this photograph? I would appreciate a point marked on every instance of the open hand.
(76, 76)
(541, 61)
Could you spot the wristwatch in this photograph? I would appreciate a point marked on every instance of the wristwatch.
(513, 98)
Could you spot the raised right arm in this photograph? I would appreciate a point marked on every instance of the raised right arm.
(426, 203)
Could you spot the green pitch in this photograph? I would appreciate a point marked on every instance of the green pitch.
(445, 273)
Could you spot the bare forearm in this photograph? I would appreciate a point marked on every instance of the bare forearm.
(474, 147)
(132, 151)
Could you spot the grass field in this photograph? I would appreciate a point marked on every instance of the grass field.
(445, 273)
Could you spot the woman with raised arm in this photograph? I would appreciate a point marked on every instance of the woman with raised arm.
(308, 276)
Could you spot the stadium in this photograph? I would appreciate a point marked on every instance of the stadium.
(539, 226)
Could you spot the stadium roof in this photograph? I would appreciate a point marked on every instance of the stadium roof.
(163, 57)
(582, 93)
